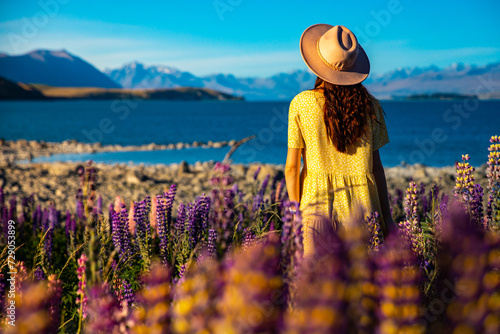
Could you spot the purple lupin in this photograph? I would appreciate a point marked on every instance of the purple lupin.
(212, 239)
(169, 201)
(68, 223)
(162, 227)
(180, 222)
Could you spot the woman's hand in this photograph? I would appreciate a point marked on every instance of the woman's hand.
(292, 173)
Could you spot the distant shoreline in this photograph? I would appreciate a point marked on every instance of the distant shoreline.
(17, 91)
(22, 149)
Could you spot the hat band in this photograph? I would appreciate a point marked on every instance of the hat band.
(330, 65)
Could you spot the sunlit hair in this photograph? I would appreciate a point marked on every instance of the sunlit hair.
(347, 110)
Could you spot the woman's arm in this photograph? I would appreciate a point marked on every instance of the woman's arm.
(292, 173)
(303, 173)
(379, 174)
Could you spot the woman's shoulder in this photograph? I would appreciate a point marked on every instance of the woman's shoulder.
(306, 96)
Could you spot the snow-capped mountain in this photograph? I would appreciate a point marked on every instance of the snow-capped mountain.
(61, 68)
(53, 68)
(456, 79)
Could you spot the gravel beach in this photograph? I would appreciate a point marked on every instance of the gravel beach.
(59, 181)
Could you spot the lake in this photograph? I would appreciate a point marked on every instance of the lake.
(434, 133)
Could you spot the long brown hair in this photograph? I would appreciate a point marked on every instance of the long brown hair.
(347, 110)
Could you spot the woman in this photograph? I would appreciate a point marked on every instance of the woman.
(337, 128)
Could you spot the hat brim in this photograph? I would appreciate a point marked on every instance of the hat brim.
(308, 50)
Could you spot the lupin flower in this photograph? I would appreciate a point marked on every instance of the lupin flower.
(169, 202)
(80, 210)
(154, 314)
(143, 230)
(197, 220)
(464, 180)
(48, 229)
(238, 192)
(493, 170)
(259, 197)
(120, 232)
(125, 249)
(397, 279)
(128, 292)
(68, 223)
(163, 219)
(212, 239)
(493, 174)
(111, 213)
(411, 226)
(162, 227)
(194, 309)
(54, 286)
(469, 262)
(180, 222)
(361, 293)
(152, 215)
(469, 194)
(130, 218)
(106, 314)
(21, 276)
(221, 218)
(99, 204)
(256, 174)
(376, 236)
(292, 249)
(248, 238)
(181, 271)
(81, 293)
(45, 217)
(37, 217)
(39, 274)
(32, 311)
(253, 299)
(476, 207)
(320, 292)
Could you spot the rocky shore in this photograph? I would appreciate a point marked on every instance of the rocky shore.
(13, 150)
(59, 182)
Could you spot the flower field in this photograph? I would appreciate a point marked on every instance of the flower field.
(231, 262)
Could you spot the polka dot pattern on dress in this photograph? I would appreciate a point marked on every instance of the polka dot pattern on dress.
(336, 183)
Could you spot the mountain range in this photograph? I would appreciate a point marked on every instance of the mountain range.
(60, 68)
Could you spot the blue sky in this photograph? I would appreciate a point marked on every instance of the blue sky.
(250, 37)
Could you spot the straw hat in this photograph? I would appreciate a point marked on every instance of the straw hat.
(334, 54)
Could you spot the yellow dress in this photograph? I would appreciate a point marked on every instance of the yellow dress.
(336, 183)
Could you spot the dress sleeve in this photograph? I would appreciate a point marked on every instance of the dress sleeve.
(380, 137)
(295, 139)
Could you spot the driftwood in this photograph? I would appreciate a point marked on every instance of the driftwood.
(234, 147)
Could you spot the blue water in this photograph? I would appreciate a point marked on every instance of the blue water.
(434, 133)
